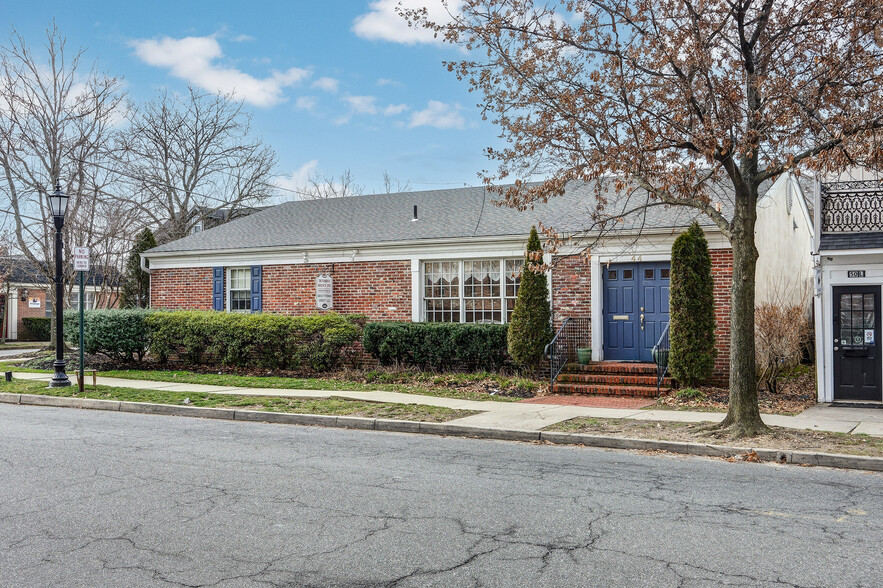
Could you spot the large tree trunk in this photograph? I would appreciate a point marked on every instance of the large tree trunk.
(743, 414)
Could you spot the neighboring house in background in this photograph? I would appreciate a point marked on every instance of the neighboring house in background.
(848, 280)
(30, 293)
(784, 236)
(449, 256)
(204, 219)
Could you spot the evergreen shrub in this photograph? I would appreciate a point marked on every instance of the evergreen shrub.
(530, 328)
(118, 333)
(437, 346)
(691, 359)
(36, 328)
(312, 342)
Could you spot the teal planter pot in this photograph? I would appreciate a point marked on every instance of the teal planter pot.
(584, 355)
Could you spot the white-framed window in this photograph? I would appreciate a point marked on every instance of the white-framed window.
(75, 299)
(441, 291)
(239, 289)
(470, 291)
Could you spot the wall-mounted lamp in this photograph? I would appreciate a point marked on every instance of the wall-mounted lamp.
(23, 294)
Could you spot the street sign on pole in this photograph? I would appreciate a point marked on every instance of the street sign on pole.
(81, 264)
(81, 259)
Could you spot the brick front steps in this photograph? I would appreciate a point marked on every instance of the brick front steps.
(610, 379)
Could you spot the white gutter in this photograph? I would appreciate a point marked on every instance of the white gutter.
(144, 267)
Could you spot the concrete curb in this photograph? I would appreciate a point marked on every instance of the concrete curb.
(832, 460)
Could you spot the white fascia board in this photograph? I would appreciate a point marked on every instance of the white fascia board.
(850, 252)
(448, 249)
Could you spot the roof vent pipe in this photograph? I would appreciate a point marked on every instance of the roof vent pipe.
(415, 213)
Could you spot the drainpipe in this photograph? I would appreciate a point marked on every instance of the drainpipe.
(144, 267)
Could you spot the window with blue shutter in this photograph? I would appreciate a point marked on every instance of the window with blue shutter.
(256, 302)
(218, 288)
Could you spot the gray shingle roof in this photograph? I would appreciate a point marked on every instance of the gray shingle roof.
(837, 241)
(453, 213)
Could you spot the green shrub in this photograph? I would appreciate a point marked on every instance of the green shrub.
(118, 333)
(36, 328)
(691, 358)
(530, 328)
(437, 345)
(314, 342)
(690, 394)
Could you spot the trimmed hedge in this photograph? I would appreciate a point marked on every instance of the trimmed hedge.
(271, 341)
(120, 334)
(37, 328)
(437, 345)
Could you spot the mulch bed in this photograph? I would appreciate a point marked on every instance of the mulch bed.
(795, 395)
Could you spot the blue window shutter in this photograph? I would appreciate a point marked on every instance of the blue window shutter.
(256, 288)
(218, 288)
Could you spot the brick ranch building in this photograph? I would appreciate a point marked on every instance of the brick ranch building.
(446, 255)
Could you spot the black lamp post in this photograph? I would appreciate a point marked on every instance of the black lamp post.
(58, 204)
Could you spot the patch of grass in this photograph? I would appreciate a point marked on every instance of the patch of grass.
(435, 384)
(779, 438)
(24, 345)
(326, 406)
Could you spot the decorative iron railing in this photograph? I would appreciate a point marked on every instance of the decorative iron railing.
(573, 334)
(660, 356)
(852, 207)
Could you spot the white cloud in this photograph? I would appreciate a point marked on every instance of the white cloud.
(327, 84)
(195, 59)
(362, 104)
(394, 109)
(388, 82)
(439, 115)
(382, 23)
(297, 180)
(242, 39)
(305, 103)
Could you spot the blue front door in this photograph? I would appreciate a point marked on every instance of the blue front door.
(635, 309)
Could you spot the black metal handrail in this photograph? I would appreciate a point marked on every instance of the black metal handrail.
(852, 207)
(575, 332)
(660, 356)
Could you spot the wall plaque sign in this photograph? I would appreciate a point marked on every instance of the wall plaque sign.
(869, 337)
(33, 302)
(855, 273)
(324, 292)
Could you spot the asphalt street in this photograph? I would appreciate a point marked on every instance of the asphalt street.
(111, 499)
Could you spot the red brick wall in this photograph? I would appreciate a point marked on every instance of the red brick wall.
(181, 289)
(379, 289)
(571, 288)
(25, 312)
(722, 272)
(572, 296)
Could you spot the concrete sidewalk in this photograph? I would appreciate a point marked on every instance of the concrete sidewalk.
(527, 416)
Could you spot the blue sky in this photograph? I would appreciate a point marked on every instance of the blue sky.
(333, 85)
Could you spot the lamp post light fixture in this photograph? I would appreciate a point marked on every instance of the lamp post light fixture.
(58, 205)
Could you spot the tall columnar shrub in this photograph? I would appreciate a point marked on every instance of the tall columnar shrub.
(530, 328)
(691, 359)
(136, 282)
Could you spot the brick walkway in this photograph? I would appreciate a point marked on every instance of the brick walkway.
(592, 401)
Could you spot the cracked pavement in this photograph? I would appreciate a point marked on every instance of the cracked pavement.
(115, 499)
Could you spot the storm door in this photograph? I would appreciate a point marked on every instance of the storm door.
(856, 346)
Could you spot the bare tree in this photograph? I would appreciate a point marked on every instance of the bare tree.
(57, 124)
(669, 99)
(187, 158)
(320, 186)
(392, 185)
